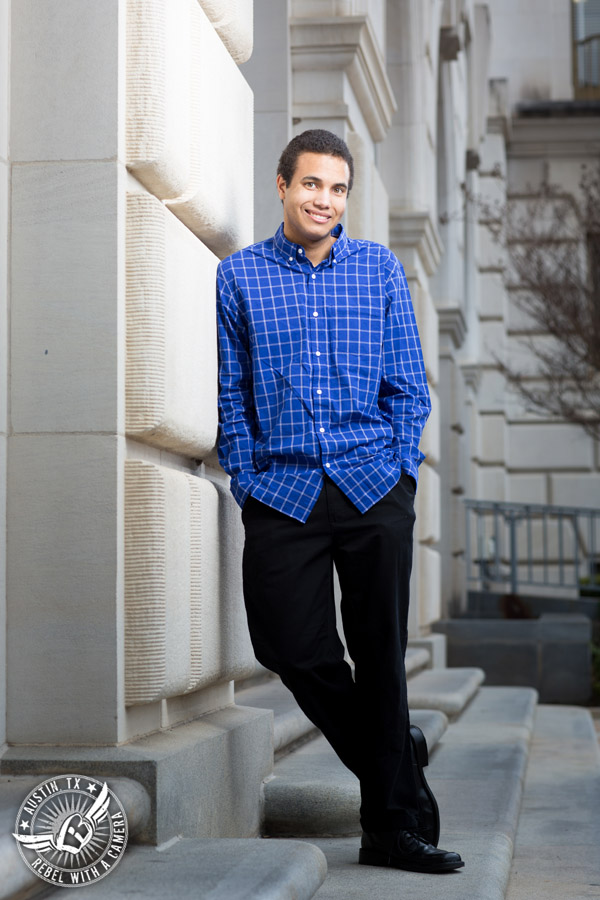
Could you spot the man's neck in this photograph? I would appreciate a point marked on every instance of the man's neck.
(317, 252)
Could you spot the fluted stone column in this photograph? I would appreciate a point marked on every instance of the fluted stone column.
(339, 82)
(131, 153)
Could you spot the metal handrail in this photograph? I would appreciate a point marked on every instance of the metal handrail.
(512, 543)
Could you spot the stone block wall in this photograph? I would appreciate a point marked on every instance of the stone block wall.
(130, 174)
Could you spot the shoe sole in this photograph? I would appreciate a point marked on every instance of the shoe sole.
(384, 860)
(421, 759)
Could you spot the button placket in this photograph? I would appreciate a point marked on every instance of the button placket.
(318, 331)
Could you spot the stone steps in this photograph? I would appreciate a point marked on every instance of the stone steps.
(213, 869)
(477, 773)
(556, 853)
(290, 726)
(313, 793)
(507, 777)
(447, 690)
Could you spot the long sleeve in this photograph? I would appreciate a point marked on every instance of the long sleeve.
(236, 407)
(403, 395)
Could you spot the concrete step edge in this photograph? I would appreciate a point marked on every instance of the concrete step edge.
(449, 690)
(312, 793)
(219, 868)
(416, 659)
(477, 773)
(290, 725)
(556, 846)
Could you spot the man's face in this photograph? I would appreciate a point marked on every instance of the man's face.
(315, 200)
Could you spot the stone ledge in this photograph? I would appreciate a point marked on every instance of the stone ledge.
(289, 723)
(551, 654)
(224, 755)
(347, 43)
(432, 723)
(435, 644)
(416, 658)
(314, 793)
(219, 869)
(448, 690)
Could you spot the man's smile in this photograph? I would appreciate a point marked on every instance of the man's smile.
(318, 217)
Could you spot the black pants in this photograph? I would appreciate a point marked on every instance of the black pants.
(288, 591)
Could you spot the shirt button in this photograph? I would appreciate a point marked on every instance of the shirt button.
(321, 430)
(315, 314)
(291, 259)
(319, 391)
(301, 251)
(327, 465)
(318, 352)
(313, 275)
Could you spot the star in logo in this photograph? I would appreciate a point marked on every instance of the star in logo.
(92, 787)
(24, 825)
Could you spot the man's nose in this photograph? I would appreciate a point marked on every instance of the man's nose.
(322, 198)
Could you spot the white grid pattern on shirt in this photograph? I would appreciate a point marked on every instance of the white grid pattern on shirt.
(278, 435)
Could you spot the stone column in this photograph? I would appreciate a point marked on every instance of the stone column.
(131, 156)
(408, 166)
(4, 194)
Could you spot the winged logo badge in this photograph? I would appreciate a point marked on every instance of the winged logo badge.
(74, 833)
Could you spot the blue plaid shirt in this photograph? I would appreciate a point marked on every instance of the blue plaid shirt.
(320, 371)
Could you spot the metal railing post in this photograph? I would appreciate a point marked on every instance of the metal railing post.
(514, 569)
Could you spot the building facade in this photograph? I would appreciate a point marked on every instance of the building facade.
(131, 133)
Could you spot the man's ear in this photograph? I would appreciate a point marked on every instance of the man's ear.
(281, 186)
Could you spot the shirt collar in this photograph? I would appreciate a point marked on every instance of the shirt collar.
(294, 251)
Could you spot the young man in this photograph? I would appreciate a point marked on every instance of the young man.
(323, 398)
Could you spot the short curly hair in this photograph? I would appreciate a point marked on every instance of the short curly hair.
(315, 140)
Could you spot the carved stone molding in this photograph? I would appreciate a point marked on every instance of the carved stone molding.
(417, 230)
(452, 322)
(347, 43)
(555, 136)
(472, 375)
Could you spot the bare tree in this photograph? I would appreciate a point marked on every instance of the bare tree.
(553, 274)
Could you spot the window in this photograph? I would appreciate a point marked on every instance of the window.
(586, 48)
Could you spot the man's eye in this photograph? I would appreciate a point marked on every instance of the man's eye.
(309, 184)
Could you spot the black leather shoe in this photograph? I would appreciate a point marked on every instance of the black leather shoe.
(405, 850)
(429, 814)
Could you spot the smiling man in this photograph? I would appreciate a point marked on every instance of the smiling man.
(322, 402)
